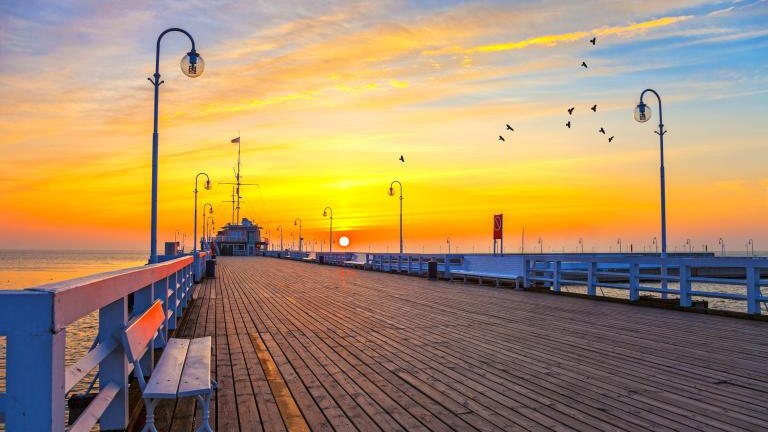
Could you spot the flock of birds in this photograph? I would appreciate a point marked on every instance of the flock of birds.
(570, 110)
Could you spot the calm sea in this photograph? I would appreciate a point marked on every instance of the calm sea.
(21, 269)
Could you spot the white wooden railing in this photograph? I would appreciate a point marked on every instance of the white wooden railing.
(34, 322)
(634, 273)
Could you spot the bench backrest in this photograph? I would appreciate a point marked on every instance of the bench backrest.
(142, 330)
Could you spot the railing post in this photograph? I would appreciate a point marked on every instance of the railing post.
(174, 281)
(34, 399)
(634, 282)
(556, 276)
(526, 270)
(592, 279)
(160, 289)
(142, 300)
(685, 285)
(114, 368)
(753, 290)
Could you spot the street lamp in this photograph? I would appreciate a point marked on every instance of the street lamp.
(721, 242)
(619, 243)
(656, 245)
(300, 238)
(581, 243)
(541, 246)
(751, 244)
(642, 115)
(205, 221)
(192, 65)
(280, 228)
(207, 187)
(688, 243)
(330, 232)
(448, 240)
(392, 193)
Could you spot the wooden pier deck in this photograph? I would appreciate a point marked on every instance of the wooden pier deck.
(308, 347)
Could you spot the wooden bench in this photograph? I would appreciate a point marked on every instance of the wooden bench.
(184, 369)
(480, 276)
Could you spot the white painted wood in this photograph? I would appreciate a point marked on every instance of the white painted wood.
(79, 370)
(96, 408)
(76, 298)
(196, 376)
(34, 399)
(114, 367)
(142, 330)
(164, 382)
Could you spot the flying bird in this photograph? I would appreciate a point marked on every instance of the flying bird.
(602, 131)
(593, 40)
(402, 158)
(501, 138)
(568, 123)
(570, 110)
(584, 65)
(510, 127)
(610, 139)
(594, 108)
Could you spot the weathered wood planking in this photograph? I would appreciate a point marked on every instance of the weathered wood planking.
(373, 351)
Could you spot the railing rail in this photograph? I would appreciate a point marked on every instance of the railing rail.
(35, 322)
(632, 273)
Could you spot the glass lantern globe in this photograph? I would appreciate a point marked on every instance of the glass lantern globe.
(208, 185)
(192, 64)
(391, 191)
(642, 113)
(324, 213)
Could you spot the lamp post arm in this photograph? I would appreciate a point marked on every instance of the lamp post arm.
(159, 38)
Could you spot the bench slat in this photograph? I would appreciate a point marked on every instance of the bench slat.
(142, 330)
(164, 382)
(196, 377)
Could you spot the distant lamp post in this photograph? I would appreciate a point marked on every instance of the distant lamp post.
(392, 193)
(642, 115)
(721, 242)
(688, 243)
(541, 246)
(300, 238)
(581, 243)
(656, 245)
(448, 240)
(751, 244)
(326, 212)
(619, 243)
(280, 228)
(205, 221)
(207, 187)
(192, 65)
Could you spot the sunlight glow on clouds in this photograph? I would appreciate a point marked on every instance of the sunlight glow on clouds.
(327, 95)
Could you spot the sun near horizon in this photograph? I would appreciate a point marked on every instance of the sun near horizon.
(326, 98)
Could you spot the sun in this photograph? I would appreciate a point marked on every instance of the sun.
(344, 241)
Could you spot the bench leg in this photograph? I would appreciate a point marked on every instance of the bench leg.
(205, 401)
(150, 405)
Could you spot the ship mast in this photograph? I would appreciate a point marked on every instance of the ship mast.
(236, 189)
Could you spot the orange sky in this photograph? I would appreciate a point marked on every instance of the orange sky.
(327, 97)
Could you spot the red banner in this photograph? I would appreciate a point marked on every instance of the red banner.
(498, 226)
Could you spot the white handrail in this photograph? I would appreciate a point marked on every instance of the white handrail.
(35, 320)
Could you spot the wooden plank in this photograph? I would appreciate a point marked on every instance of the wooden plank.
(164, 382)
(196, 376)
(358, 350)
